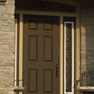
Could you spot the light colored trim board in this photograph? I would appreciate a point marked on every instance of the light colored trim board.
(46, 13)
(16, 52)
(86, 89)
(65, 23)
(61, 55)
(77, 45)
(21, 51)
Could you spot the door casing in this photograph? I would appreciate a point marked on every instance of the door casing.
(61, 15)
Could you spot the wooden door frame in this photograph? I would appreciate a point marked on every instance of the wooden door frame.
(61, 15)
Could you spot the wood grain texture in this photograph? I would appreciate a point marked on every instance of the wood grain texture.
(41, 53)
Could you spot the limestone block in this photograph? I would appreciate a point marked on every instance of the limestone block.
(83, 67)
(87, 20)
(4, 49)
(90, 43)
(5, 41)
(91, 78)
(11, 2)
(7, 46)
(83, 55)
(90, 67)
(0, 10)
(83, 31)
(87, 30)
(7, 59)
(10, 9)
(87, 43)
(7, 28)
(90, 61)
(83, 43)
(78, 92)
(87, 55)
(6, 77)
(12, 48)
(90, 54)
(11, 28)
(7, 35)
(87, 66)
(7, 23)
(83, 60)
(7, 17)
(6, 92)
(4, 9)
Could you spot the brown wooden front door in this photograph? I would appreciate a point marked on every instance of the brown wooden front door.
(41, 54)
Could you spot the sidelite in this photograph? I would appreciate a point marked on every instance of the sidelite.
(69, 58)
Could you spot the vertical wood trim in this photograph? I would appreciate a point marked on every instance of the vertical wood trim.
(73, 85)
(61, 55)
(78, 45)
(16, 52)
(64, 57)
(21, 51)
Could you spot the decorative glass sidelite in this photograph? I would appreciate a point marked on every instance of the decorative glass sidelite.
(68, 57)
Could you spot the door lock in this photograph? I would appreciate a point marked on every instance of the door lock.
(57, 68)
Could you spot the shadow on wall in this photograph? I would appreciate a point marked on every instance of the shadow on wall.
(87, 55)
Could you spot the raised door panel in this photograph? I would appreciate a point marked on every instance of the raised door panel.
(33, 80)
(48, 48)
(48, 80)
(40, 53)
(33, 47)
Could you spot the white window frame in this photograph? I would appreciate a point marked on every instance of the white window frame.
(16, 52)
(65, 23)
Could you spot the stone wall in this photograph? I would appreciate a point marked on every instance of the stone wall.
(87, 43)
(7, 47)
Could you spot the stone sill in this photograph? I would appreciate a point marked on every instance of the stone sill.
(86, 89)
(15, 89)
(18, 89)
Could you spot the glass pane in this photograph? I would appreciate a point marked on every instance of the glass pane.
(68, 57)
(43, 5)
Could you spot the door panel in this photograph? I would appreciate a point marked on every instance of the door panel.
(41, 54)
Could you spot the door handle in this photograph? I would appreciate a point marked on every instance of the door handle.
(57, 72)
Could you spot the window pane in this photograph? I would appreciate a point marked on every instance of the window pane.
(68, 57)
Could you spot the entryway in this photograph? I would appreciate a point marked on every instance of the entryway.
(47, 49)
